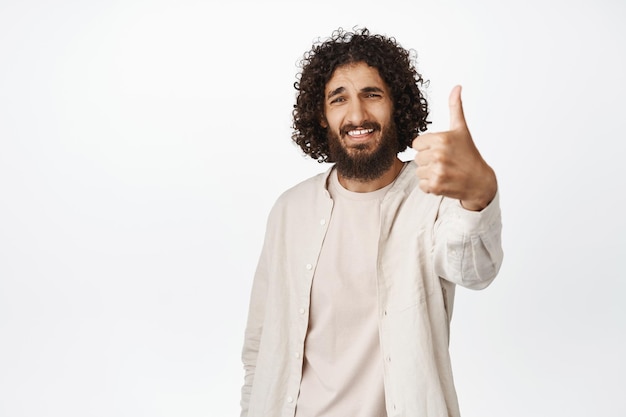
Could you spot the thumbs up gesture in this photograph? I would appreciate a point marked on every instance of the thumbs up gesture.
(449, 163)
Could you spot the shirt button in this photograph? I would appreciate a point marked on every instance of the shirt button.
(297, 355)
(309, 266)
(322, 222)
(388, 358)
(289, 399)
(301, 310)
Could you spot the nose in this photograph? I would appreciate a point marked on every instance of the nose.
(356, 113)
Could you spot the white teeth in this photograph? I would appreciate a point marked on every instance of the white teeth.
(360, 132)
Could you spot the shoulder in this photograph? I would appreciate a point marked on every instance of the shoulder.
(406, 198)
(305, 193)
(407, 182)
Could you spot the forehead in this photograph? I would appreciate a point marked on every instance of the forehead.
(356, 75)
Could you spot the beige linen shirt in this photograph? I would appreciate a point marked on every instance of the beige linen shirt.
(428, 244)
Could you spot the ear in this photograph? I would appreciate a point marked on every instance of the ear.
(323, 122)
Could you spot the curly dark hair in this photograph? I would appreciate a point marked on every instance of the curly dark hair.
(396, 67)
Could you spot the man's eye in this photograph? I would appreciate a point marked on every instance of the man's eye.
(338, 100)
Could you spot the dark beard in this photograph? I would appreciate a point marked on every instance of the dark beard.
(360, 164)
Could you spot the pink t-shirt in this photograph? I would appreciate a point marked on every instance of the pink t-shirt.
(343, 368)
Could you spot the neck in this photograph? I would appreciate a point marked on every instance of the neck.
(360, 186)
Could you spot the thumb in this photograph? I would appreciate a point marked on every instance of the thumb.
(457, 117)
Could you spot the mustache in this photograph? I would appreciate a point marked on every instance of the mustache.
(366, 125)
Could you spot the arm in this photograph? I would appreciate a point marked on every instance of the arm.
(468, 247)
(254, 327)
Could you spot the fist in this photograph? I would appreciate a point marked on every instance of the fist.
(450, 165)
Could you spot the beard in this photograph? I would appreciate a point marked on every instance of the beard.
(359, 162)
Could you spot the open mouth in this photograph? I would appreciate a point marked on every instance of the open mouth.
(359, 133)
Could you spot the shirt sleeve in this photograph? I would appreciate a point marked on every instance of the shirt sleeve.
(468, 244)
(254, 326)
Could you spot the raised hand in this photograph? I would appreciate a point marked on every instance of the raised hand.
(449, 163)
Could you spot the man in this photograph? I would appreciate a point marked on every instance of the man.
(352, 298)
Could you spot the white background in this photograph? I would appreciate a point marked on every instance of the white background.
(142, 144)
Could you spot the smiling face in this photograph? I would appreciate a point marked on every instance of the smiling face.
(358, 117)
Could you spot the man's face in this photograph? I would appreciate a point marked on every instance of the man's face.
(358, 118)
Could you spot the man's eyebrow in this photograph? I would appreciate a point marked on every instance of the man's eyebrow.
(336, 91)
(372, 90)
(340, 90)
